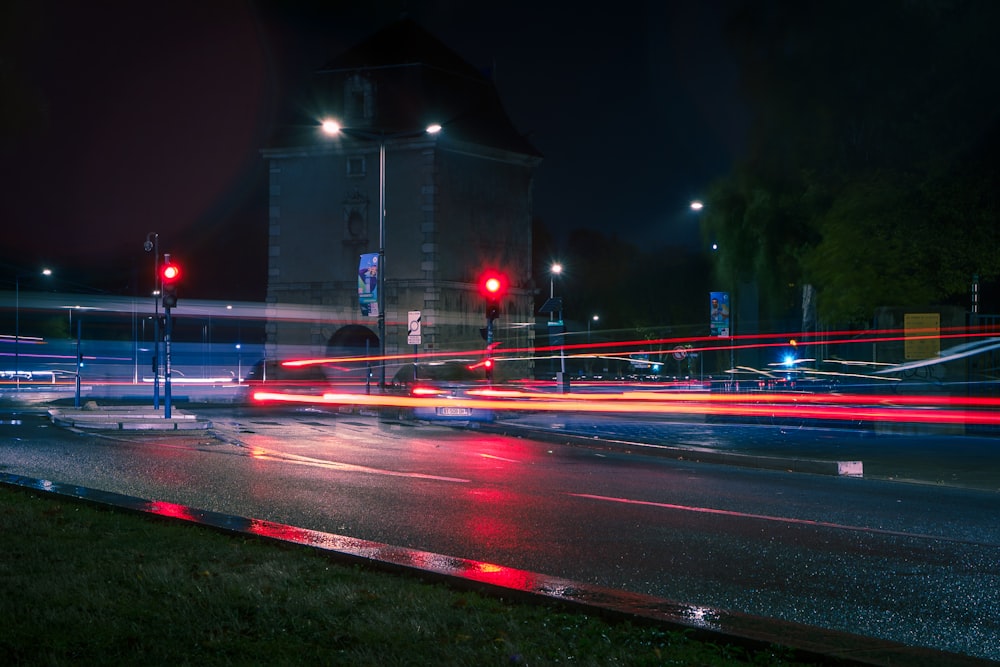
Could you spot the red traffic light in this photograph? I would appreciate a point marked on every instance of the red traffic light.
(170, 273)
(493, 285)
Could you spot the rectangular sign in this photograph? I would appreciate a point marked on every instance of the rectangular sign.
(368, 284)
(454, 412)
(718, 318)
(922, 335)
(413, 327)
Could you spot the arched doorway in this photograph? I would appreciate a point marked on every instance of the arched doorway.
(356, 341)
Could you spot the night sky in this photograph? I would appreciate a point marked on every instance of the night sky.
(122, 118)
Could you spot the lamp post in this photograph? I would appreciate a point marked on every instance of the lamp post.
(592, 319)
(333, 128)
(154, 247)
(17, 325)
(555, 270)
(697, 206)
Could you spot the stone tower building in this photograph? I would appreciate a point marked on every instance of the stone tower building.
(456, 202)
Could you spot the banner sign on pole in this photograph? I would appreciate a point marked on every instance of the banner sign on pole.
(368, 284)
(719, 314)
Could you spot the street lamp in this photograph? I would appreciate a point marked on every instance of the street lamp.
(595, 318)
(555, 270)
(333, 128)
(17, 324)
(697, 207)
(154, 247)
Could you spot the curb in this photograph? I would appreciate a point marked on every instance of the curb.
(807, 643)
(94, 418)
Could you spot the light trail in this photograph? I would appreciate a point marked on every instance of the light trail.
(260, 454)
(856, 408)
(977, 340)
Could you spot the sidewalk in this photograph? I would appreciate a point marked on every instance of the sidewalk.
(93, 416)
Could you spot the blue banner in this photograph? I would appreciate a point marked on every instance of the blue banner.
(719, 314)
(368, 284)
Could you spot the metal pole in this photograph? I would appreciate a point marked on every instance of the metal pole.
(79, 360)
(368, 367)
(166, 366)
(156, 321)
(552, 295)
(154, 247)
(17, 332)
(381, 260)
(489, 348)
(562, 353)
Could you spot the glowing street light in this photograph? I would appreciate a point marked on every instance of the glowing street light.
(332, 128)
(595, 318)
(555, 270)
(17, 324)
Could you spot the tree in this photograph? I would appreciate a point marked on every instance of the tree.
(869, 172)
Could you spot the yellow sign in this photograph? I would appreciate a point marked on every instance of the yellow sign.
(922, 335)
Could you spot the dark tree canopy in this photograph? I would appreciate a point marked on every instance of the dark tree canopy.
(871, 172)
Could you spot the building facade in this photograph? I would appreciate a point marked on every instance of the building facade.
(456, 203)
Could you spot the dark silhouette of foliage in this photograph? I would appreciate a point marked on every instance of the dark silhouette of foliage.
(871, 170)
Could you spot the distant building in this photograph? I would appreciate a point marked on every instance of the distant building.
(456, 202)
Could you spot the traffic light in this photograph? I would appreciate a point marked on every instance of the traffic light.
(170, 273)
(493, 286)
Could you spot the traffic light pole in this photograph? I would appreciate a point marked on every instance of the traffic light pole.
(168, 286)
(166, 366)
(380, 277)
(154, 246)
(489, 349)
(79, 360)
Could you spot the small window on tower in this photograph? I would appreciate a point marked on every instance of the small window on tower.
(359, 99)
(355, 166)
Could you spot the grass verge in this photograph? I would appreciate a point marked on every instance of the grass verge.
(86, 585)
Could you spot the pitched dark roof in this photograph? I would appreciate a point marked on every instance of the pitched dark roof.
(403, 42)
(421, 79)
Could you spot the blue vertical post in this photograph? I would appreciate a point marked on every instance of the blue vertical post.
(166, 366)
(79, 360)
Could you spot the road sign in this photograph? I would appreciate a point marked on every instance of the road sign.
(679, 352)
(921, 332)
(413, 327)
(553, 305)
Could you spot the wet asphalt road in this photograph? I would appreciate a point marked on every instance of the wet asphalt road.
(915, 563)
